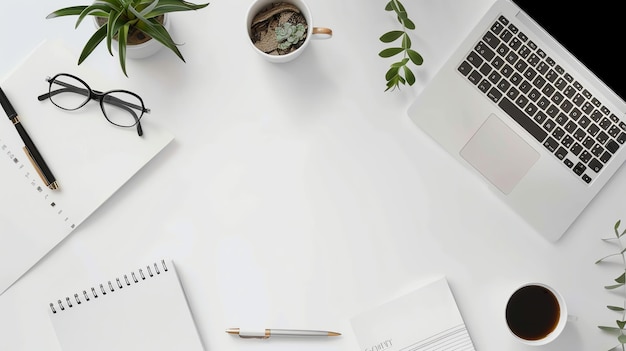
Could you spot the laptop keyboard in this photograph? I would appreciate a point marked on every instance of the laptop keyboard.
(534, 90)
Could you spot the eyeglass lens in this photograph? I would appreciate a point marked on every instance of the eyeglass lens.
(68, 92)
(122, 108)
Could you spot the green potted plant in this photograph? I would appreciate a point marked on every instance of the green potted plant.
(122, 21)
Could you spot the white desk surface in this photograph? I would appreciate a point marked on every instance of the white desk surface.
(299, 195)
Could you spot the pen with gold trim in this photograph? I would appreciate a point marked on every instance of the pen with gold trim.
(266, 333)
(29, 147)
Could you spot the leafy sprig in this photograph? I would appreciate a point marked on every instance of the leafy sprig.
(620, 282)
(399, 73)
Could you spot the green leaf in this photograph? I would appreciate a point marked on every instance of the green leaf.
(156, 30)
(415, 57)
(96, 9)
(621, 279)
(608, 256)
(390, 85)
(410, 77)
(391, 36)
(122, 37)
(398, 6)
(400, 63)
(92, 43)
(114, 4)
(609, 329)
(616, 228)
(615, 308)
(113, 26)
(148, 8)
(390, 52)
(406, 42)
(389, 6)
(393, 83)
(620, 324)
(165, 6)
(611, 287)
(392, 72)
(68, 11)
(622, 339)
(409, 24)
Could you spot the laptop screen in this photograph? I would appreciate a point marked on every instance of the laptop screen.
(592, 32)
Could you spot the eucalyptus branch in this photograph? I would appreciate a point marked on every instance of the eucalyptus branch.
(400, 73)
(621, 283)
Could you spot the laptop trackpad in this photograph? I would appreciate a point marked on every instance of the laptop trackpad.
(499, 154)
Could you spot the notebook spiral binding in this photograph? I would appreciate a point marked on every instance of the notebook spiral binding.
(109, 287)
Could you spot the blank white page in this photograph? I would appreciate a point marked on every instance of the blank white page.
(150, 314)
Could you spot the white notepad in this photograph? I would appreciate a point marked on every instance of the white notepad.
(145, 309)
(427, 319)
(90, 158)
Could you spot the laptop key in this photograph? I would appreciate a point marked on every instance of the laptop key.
(586, 178)
(464, 68)
(612, 146)
(606, 156)
(494, 94)
(567, 141)
(579, 168)
(551, 144)
(484, 85)
(584, 156)
(474, 77)
(560, 153)
(595, 165)
(568, 163)
(491, 40)
(474, 59)
(483, 50)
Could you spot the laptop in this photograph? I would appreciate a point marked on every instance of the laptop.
(533, 102)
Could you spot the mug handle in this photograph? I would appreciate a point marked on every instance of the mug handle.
(322, 33)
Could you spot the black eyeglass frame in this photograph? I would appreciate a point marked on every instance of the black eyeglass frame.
(98, 96)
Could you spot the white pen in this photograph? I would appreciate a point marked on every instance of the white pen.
(266, 333)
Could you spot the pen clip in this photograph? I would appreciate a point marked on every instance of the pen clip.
(254, 337)
(35, 165)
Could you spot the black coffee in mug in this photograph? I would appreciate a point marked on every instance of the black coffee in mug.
(533, 312)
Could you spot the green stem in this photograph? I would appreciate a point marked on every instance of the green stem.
(621, 249)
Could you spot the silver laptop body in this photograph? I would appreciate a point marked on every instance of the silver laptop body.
(544, 182)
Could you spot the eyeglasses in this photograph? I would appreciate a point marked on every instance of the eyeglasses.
(120, 107)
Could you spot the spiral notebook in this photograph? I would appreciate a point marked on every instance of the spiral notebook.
(145, 309)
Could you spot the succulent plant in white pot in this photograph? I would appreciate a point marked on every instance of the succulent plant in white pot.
(127, 23)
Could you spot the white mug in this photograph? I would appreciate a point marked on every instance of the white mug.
(312, 32)
(536, 314)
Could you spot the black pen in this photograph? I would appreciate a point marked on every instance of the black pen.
(29, 147)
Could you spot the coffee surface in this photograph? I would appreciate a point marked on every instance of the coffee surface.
(532, 312)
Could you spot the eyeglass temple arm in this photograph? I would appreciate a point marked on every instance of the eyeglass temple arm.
(64, 90)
